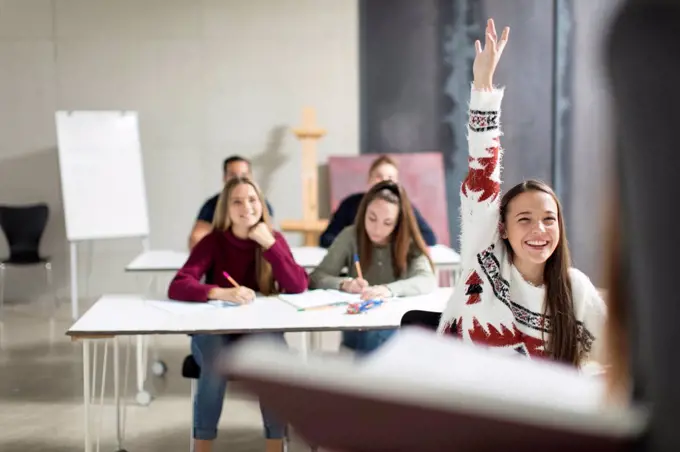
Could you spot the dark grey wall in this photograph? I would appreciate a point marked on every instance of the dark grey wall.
(400, 80)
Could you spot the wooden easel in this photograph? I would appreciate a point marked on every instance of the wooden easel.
(310, 225)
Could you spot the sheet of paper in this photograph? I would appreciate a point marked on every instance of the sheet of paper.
(316, 298)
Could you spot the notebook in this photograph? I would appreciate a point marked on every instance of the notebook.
(429, 393)
(319, 298)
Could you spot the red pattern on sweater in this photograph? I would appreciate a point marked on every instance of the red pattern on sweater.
(474, 283)
(480, 179)
(506, 338)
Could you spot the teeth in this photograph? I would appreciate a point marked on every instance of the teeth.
(537, 242)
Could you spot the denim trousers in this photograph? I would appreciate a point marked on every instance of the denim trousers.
(212, 384)
(363, 342)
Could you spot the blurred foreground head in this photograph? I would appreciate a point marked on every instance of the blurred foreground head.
(643, 63)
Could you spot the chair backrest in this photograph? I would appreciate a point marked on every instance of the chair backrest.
(23, 227)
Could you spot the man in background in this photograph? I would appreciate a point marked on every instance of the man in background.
(234, 166)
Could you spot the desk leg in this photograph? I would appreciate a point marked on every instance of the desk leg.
(116, 393)
(315, 341)
(74, 280)
(86, 394)
(304, 337)
(143, 397)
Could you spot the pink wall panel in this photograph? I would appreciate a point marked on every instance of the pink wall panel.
(421, 174)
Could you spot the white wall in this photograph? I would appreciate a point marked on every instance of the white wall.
(209, 78)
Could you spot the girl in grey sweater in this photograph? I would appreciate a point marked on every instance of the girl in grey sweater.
(393, 256)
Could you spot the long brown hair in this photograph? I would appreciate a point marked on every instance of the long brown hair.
(222, 222)
(563, 342)
(406, 237)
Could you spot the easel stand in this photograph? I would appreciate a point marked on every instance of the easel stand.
(73, 256)
(310, 226)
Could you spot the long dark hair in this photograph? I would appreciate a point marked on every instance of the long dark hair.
(406, 233)
(563, 344)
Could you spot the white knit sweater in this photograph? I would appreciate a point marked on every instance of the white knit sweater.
(492, 304)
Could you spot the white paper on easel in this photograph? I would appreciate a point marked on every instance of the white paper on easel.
(102, 175)
(319, 297)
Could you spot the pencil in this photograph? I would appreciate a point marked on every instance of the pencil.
(325, 306)
(357, 264)
(231, 280)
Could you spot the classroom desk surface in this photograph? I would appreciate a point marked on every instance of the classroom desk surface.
(308, 257)
(115, 315)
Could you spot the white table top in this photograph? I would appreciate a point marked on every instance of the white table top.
(308, 257)
(133, 314)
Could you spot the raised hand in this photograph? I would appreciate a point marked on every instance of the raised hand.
(486, 59)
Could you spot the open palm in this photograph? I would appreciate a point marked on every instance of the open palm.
(486, 59)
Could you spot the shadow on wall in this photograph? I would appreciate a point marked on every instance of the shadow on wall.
(33, 177)
(271, 158)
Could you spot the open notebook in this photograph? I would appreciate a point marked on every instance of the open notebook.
(421, 392)
(319, 298)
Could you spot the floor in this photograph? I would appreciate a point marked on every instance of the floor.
(41, 394)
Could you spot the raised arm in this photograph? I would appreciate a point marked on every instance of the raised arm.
(481, 188)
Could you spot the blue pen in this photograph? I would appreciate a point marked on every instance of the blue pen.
(364, 306)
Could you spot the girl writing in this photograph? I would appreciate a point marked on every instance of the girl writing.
(393, 257)
(243, 246)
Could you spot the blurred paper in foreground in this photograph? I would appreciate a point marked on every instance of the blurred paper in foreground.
(421, 392)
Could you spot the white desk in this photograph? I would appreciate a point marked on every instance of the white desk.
(155, 262)
(113, 316)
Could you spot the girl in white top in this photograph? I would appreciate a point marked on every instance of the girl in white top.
(517, 290)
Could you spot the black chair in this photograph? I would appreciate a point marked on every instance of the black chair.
(423, 319)
(23, 227)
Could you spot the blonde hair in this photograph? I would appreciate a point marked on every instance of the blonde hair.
(222, 222)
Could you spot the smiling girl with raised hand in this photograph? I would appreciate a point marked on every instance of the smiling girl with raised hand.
(242, 246)
(517, 290)
(392, 255)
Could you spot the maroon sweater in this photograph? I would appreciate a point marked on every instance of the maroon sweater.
(222, 251)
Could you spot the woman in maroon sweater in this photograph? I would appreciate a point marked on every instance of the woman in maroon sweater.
(244, 245)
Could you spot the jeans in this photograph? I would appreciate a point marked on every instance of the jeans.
(363, 342)
(212, 385)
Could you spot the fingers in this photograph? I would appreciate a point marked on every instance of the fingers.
(478, 47)
(491, 29)
(245, 295)
(504, 39)
(362, 282)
